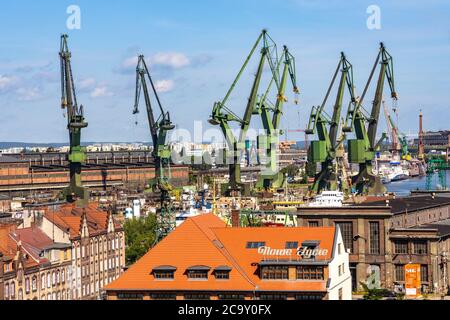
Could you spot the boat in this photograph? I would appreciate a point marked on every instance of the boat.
(328, 199)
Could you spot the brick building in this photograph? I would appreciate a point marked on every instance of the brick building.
(382, 236)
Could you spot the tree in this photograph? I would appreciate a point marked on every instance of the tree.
(140, 235)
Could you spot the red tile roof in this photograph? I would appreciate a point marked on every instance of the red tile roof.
(69, 218)
(206, 240)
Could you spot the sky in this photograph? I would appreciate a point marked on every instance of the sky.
(194, 50)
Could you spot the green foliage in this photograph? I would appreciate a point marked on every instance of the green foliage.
(291, 170)
(140, 235)
(374, 294)
(310, 169)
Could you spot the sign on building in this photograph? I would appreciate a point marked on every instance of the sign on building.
(412, 279)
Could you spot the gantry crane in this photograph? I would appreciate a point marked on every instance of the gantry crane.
(161, 153)
(362, 149)
(271, 177)
(75, 192)
(324, 149)
(222, 115)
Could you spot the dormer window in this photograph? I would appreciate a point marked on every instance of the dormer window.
(255, 244)
(222, 272)
(164, 272)
(198, 272)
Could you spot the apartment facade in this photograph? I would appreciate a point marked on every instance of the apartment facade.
(205, 259)
(60, 253)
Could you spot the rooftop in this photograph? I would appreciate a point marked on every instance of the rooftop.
(411, 203)
(206, 241)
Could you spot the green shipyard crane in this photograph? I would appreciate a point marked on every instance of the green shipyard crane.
(159, 127)
(75, 192)
(222, 115)
(271, 177)
(324, 149)
(362, 149)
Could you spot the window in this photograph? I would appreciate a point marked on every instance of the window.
(291, 244)
(313, 224)
(339, 270)
(222, 274)
(197, 274)
(310, 272)
(57, 277)
(65, 254)
(63, 275)
(374, 237)
(6, 291)
(273, 297)
(43, 281)
(231, 296)
(27, 285)
(420, 247)
(347, 233)
(163, 274)
(20, 294)
(311, 296)
(340, 293)
(424, 273)
(274, 272)
(13, 289)
(255, 244)
(49, 282)
(197, 296)
(53, 278)
(339, 248)
(400, 247)
(34, 283)
(164, 296)
(399, 272)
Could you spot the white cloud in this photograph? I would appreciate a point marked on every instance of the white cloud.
(86, 84)
(101, 91)
(7, 82)
(29, 94)
(170, 59)
(164, 85)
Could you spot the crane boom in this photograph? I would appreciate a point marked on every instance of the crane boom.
(324, 149)
(271, 177)
(75, 122)
(362, 149)
(222, 115)
(159, 128)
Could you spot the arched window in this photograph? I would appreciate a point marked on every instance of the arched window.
(53, 278)
(7, 291)
(63, 275)
(49, 296)
(13, 289)
(57, 277)
(43, 281)
(43, 297)
(63, 295)
(34, 283)
(27, 285)
(58, 295)
(49, 282)
(20, 294)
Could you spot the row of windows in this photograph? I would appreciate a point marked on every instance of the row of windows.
(302, 272)
(192, 274)
(403, 247)
(103, 246)
(400, 273)
(222, 296)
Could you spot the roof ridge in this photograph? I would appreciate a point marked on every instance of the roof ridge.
(225, 253)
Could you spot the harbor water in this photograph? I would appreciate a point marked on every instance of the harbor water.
(403, 187)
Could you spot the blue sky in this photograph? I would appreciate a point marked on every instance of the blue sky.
(195, 49)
